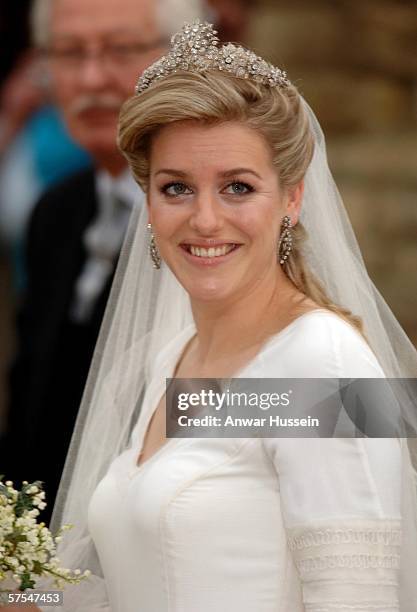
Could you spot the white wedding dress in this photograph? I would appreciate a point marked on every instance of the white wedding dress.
(252, 525)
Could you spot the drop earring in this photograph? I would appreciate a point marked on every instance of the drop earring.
(285, 240)
(153, 250)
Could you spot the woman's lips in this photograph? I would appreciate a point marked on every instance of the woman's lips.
(210, 254)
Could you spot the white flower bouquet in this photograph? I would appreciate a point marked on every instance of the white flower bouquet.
(28, 548)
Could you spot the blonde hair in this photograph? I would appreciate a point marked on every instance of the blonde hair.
(212, 98)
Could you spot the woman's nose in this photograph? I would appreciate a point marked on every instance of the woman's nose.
(207, 215)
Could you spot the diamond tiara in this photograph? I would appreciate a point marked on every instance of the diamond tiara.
(196, 49)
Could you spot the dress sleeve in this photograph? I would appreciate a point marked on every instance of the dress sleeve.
(341, 497)
(341, 509)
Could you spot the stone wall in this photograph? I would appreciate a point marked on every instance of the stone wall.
(356, 64)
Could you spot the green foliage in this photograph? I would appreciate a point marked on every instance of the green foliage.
(25, 500)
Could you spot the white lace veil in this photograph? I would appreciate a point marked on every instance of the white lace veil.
(148, 307)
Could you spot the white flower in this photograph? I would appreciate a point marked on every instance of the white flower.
(26, 544)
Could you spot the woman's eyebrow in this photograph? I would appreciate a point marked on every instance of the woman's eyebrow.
(235, 171)
(171, 171)
(225, 174)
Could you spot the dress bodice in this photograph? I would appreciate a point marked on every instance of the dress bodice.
(286, 525)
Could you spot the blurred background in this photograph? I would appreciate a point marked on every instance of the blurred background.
(355, 63)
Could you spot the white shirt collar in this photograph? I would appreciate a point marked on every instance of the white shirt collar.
(103, 238)
(122, 186)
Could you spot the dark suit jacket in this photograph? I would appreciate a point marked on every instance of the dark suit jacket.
(53, 353)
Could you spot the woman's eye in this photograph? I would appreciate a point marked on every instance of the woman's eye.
(238, 188)
(176, 189)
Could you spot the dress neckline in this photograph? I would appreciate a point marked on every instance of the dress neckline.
(170, 370)
(171, 367)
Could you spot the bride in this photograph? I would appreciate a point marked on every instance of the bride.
(249, 267)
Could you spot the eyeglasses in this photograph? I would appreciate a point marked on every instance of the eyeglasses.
(111, 54)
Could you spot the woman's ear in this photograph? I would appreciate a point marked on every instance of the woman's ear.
(294, 201)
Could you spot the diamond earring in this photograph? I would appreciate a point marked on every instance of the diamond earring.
(285, 241)
(153, 250)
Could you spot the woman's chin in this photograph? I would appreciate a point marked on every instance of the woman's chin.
(208, 291)
(210, 285)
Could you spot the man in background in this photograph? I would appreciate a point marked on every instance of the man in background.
(95, 52)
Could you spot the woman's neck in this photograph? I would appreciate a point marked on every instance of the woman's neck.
(234, 326)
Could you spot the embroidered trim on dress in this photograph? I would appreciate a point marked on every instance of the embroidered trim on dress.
(345, 536)
(350, 561)
(334, 607)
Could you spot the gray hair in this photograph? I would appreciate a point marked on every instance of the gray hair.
(171, 16)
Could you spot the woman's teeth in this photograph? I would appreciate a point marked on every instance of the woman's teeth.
(211, 252)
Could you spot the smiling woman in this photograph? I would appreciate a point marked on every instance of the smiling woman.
(219, 210)
(243, 196)
(256, 275)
